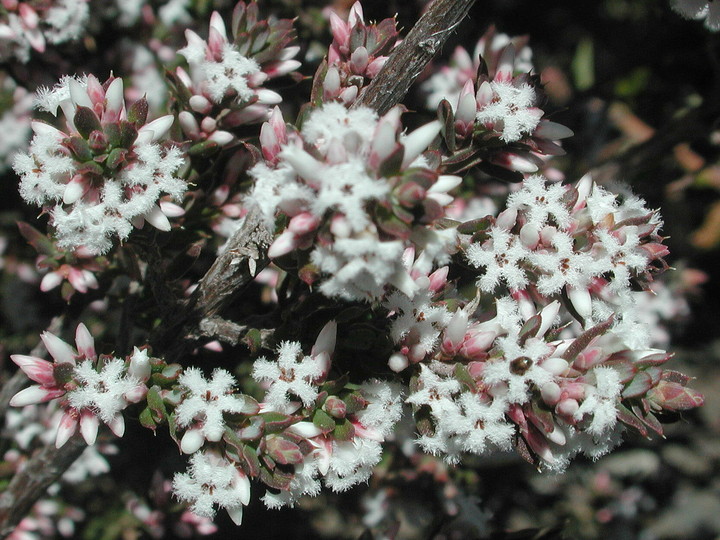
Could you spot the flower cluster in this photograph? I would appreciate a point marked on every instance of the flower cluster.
(31, 25)
(333, 433)
(496, 119)
(358, 192)
(449, 80)
(576, 241)
(92, 388)
(223, 88)
(106, 172)
(355, 57)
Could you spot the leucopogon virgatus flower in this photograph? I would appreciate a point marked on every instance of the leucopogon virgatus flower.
(106, 172)
(356, 195)
(92, 388)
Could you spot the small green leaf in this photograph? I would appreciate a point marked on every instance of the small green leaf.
(344, 430)
(138, 112)
(86, 121)
(323, 421)
(146, 419)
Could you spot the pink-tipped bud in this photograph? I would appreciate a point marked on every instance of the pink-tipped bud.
(35, 394)
(339, 28)
(438, 279)
(588, 358)
(466, 108)
(85, 342)
(526, 306)
(580, 300)
(67, 428)
(325, 341)
(477, 344)
(50, 281)
(200, 104)
(331, 84)
(304, 223)
(556, 366)
(547, 317)
(89, 424)
(283, 244)
(567, 407)
(117, 425)
(506, 219)
(375, 66)
(506, 64)
(356, 15)
(58, 349)
(359, 60)
(484, 95)
(115, 101)
(417, 141)
(454, 334)
(530, 235)
(550, 393)
(38, 370)
(74, 189)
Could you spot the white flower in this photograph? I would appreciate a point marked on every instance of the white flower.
(511, 111)
(291, 375)
(351, 463)
(213, 480)
(384, 408)
(540, 200)
(102, 391)
(562, 267)
(205, 403)
(361, 268)
(502, 257)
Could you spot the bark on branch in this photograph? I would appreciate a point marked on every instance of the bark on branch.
(408, 59)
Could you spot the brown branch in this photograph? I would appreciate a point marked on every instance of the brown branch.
(408, 59)
(244, 257)
(27, 486)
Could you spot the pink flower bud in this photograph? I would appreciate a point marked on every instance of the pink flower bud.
(438, 279)
(506, 219)
(580, 300)
(67, 428)
(37, 369)
(375, 66)
(359, 60)
(417, 141)
(50, 281)
(567, 407)
(117, 425)
(200, 104)
(556, 366)
(89, 424)
(550, 393)
(304, 223)
(283, 244)
(506, 65)
(477, 344)
(530, 235)
(35, 394)
(58, 349)
(85, 342)
(325, 341)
